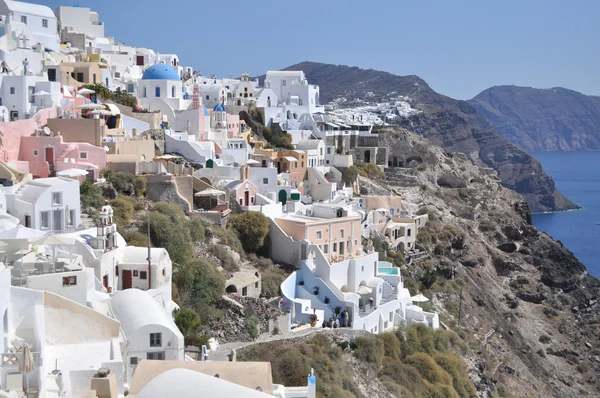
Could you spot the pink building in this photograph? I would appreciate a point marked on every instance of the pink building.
(45, 154)
(233, 126)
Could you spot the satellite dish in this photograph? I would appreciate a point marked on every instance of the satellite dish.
(47, 131)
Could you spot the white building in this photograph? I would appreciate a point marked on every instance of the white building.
(65, 336)
(315, 153)
(39, 20)
(46, 204)
(148, 332)
(80, 20)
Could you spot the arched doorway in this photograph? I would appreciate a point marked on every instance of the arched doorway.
(231, 289)
(209, 164)
(283, 196)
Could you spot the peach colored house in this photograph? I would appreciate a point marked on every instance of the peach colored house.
(48, 154)
(92, 131)
(338, 238)
(233, 126)
(394, 204)
(286, 161)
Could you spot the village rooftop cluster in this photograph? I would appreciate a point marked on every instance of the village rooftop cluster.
(82, 314)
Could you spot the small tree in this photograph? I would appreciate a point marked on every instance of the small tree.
(188, 323)
(252, 327)
(252, 228)
(349, 175)
(429, 277)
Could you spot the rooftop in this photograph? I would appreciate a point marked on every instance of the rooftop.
(31, 9)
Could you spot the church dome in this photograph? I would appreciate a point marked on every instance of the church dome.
(219, 108)
(160, 72)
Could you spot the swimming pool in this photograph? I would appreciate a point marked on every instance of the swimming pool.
(389, 271)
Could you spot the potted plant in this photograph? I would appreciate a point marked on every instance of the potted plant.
(313, 320)
(326, 300)
(316, 290)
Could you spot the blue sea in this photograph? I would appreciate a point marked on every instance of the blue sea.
(577, 176)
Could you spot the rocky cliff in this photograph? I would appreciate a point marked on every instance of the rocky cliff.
(553, 119)
(527, 301)
(452, 123)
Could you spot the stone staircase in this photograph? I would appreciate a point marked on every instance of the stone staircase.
(401, 177)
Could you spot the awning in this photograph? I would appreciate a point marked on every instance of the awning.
(209, 192)
(290, 158)
(419, 298)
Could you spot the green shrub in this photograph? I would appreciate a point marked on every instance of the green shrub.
(168, 234)
(91, 195)
(391, 345)
(292, 367)
(230, 238)
(370, 170)
(221, 252)
(456, 368)
(405, 376)
(252, 228)
(199, 283)
(123, 211)
(253, 327)
(428, 369)
(188, 323)
(140, 186)
(271, 280)
(135, 238)
(124, 183)
(429, 277)
(369, 349)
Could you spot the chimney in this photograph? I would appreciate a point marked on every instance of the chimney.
(244, 173)
(105, 384)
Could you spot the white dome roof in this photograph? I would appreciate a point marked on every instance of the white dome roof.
(184, 383)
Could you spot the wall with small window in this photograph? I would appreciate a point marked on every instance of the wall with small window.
(70, 285)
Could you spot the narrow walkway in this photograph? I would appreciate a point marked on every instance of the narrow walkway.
(223, 352)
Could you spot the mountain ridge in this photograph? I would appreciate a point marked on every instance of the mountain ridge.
(454, 124)
(553, 119)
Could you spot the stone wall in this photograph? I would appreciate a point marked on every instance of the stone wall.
(165, 191)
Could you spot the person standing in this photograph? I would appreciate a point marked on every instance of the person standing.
(4, 67)
(25, 65)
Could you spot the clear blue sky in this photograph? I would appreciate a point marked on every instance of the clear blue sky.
(459, 47)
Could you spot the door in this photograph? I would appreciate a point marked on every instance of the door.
(57, 220)
(50, 155)
(28, 221)
(367, 158)
(247, 198)
(140, 60)
(127, 281)
(105, 280)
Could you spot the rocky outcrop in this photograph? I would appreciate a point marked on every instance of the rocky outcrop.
(553, 119)
(527, 301)
(453, 124)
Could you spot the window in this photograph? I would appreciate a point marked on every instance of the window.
(157, 356)
(130, 88)
(408, 232)
(244, 291)
(325, 249)
(362, 269)
(45, 219)
(56, 198)
(208, 97)
(335, 247)
(300, 101)
(155, 339)
(94, 77)
(44, 23)
(117, 270)
(319, 235)
(256, 285)
(117, 75)
(36, 152)
(133, 361)
(342, 233)
(391, 316)
(284, 82)
(321, 151)
(164, 271)
(157, 92)
(24, 19)
(143, 274)
(69, 280)
(83, 155)
(12, 90)
(329, 151)
(173, 91)
(52, 75)
(80, 77)
(135, 273)
(144, 92)
(252, 200)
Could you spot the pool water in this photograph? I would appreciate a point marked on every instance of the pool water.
(388, 271)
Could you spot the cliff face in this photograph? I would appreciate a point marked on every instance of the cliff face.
(555, 119)
(527, 301)
(451, 123)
